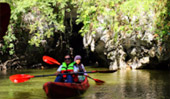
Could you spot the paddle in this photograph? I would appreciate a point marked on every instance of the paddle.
(50, 60)
(19, 78)
(96, 80)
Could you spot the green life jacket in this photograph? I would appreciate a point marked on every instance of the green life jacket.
(69, 67)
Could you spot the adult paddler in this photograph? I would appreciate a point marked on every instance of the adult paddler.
(66, 67)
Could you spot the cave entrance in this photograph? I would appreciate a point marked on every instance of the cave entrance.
(5, 13)
(76, 41)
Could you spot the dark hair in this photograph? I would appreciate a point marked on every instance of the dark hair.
(69, 55)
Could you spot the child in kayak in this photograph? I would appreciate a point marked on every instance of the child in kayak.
(80, 67)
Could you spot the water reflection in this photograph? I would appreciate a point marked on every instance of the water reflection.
(133, 84)
(128, 84)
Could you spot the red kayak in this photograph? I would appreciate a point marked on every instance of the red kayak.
(65, 90)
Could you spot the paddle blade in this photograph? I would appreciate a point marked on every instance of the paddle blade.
(99, 82)
(50, 60)
(19, 78)
(47, 61)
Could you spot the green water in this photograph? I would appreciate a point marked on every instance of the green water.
(126, 84)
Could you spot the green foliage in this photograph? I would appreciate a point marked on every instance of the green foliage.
(111, 12)
(47, 16)
(163, 21)
(39, 18)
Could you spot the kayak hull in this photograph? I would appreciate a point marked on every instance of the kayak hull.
(65, 90)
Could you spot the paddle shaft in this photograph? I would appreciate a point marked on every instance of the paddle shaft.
(50, 60)
(110, 71)
(90, 77)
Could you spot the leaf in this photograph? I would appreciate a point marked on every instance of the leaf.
(11, 45)
(11, 52)
(93, 32)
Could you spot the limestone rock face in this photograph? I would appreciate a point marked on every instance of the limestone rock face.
(119, 38)
(137, 49)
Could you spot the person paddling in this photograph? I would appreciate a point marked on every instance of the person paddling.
(80, 67)
(66, 67)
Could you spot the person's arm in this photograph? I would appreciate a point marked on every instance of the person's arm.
(58, 70)
(76, 69)
(84, 69)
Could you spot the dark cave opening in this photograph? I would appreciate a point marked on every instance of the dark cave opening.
(76, 42)
(5, 13)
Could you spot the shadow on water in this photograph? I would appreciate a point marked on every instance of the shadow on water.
(24, 95)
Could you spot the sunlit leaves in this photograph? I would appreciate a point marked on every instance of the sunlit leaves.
(49, 16)
(42, 23)
(113, 10)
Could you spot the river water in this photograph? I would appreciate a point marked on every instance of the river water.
(123, 84)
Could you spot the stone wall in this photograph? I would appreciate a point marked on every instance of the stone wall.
(138, 49)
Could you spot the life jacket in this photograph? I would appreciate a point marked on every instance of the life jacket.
(66, 69)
